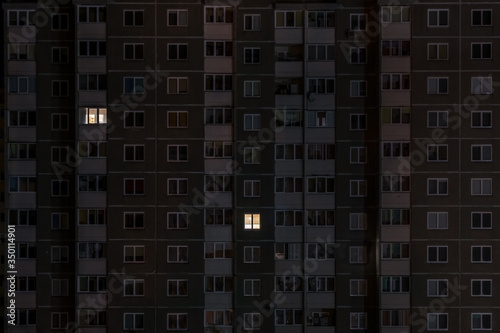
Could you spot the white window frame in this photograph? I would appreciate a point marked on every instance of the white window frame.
(437, 288)
(174, 85)
(437, 220)
(135, 18)
(251, 22)
(438, 182)
(437, 153)
(482, 17)
(483, 189)
(437, 81)
(137, 220)
(252, 89)
(358, 88)
(138, 286)
(482, 288)
(438, 249)
(484, 223)
(485, 252)
(180, 21)
(482, 119)
(135, 255)
(358, 287)
(438, 23)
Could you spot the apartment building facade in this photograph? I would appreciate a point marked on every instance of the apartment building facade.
(229, 166)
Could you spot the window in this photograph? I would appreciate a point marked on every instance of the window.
(133, 85)
(60, 122)
(252, 221)
(357, 55)
(177, 85)
(481, 254)
(59, 22)
(320, 251)
(252, 321)
(218, 217)
(320, 19)
(321, 284)
(481, 85)
(177, 254)
(288, 19)
(358, 287)
(59, 254)
(251, 254)
(437, 254)
(395, 251)
(251, 122)
(59, 154)
(437, 119)
(218, 116)
(177, 220)
(218, 250)
(22, 51)
(218, 149)
(177, 51)
(133, 153)
(177, 18)
(251, 188)
(133, 119)
(396, 48)
(288, 185)
(218, 82)
(89, 149)
(177, 119)
(480, 50)
(288, 218)
(92, 82)
(133, 321)
(358, 88)
(218, 284)
(22, 85)
(437, 18)
(481, 186)
(320, 118)
(437, 51)
(437, 220)
(395, 14)
(60, 88)
(481, 153)
(284, 317)
(357, 221)
(59, 320)
(177, 153)
(320, 218)
(22, 217)
(252, 22)
(133, 51)
(437, 153)
(91, 217)
(22, 151)
(26, 317)
(251, 55)
(320, 184)
(133, 287)
(92, 48)
(292, 118)
(218, 14)
(358, 155)
(287, 251)
(395, 116)
(60, 188)
(481, 220)
(437, 85)
(358, 320)
(60, 55)
(22, 118)
(26, 283)
(26, 251)
(321, 86)
(133, 254)
(218, 49)
(395, 318)
(91, 251)
(93, 116)
(320, 151)
(437, 186)
(480, 119)
(481, 287)
(437, 321)
(92, 284)
(92, 183)
(91, 14)
(219, 317)
(481, 321)
(358, 188)
(395, 216)
(177, 287)
(251, 155)
(133, 18)
(92, 317)
(251, 287)
(22, 184)
(395, 183)
(326, 52)
(395, 284)
(251, 88)
(395, 81)
(20, 18)
(358, 21)
(358, 122)
(218, 183)
(133, 186)
(133, 220)
(481, 17)
(437, 288)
